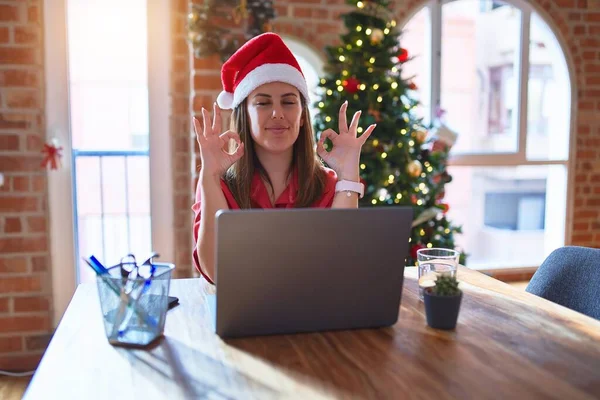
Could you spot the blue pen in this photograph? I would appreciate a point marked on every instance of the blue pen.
(103, 271)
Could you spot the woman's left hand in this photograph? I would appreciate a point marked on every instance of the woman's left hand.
(344, 158)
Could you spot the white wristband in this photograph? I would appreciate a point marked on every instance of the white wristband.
(349, 186)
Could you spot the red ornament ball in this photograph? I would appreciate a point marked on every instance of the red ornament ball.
(414, 249)
(351, 85)
(403, 55)
(445, 207)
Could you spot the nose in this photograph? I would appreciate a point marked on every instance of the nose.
(277, 112)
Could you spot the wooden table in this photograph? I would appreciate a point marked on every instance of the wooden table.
(508, 344)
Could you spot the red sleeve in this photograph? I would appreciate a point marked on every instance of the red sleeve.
(326, 200)
(196, 207)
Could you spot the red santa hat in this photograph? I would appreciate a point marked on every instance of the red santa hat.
(263, 59)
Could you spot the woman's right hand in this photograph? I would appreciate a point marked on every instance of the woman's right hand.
(214, 145)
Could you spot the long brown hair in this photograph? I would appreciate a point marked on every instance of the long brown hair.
(311, 176)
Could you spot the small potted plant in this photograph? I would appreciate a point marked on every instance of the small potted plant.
(442, 303)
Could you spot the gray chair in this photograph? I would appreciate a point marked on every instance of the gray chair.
(570, 276)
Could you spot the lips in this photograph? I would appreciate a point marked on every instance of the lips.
(277, 129)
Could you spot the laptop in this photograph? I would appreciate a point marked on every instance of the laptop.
(308, 270)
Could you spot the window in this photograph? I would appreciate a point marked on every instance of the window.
(502, 79)
(108, 87)
(312, 68)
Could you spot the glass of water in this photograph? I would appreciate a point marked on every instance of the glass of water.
(433, 263)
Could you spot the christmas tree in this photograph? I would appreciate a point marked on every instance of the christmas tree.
(404, 160)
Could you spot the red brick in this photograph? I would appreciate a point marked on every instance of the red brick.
(580, 178)
(39, 263)
(20, 184)
(19, 55)
(36, 224)
(582, 238)
(38, 183)
(9, 142)
(33, 14)
(281, 10)
(592, 17)
(579, 30)
(593, 80)
(325, 28)
(11, 344)
(589, 55)
(35, 143)
(303, 12)
(21, 98)
(8, 204)
(4, 35)
(26, 323)
(565, 3)
(9, 13)
(27, 35)
(594, 202)
(24, 362)
(574, 16)
(21, 163)
(592, 93)
(38, 342)
(31, 304)
(590, 42)
(16, 121)
(4, 305)
(19, 78)
(210, 82)
(12, 225)
(23, 245)
(586, 154)
(10, 265)
(581, 215)
(20, 284)
(580, 226)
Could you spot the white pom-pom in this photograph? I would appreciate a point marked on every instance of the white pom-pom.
(225, 100)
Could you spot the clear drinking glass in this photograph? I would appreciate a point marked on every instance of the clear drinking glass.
(433, 263)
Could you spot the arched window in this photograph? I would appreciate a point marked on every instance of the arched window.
(311, 65)
(499, 73)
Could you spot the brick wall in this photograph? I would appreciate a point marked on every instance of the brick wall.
(25, 282)
(181, 141)
(317, 23)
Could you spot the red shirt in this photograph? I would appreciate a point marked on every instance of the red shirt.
(259, 198)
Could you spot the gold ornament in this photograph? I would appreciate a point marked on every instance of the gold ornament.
(414, 168)
(421, 136)
(376, 36)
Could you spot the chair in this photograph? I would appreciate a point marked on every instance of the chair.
(570, 276)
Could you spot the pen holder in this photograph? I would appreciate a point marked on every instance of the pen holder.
(134, 310)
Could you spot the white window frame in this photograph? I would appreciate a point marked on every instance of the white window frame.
(60, 182)
(518, 158)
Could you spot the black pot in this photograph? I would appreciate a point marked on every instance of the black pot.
(441, 311)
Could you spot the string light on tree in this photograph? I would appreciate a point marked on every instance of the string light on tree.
(404, 161)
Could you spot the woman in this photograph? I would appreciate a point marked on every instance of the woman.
(274, 163)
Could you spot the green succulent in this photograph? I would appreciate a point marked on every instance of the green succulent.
(446, 285)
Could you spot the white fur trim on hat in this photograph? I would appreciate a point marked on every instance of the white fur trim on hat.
(268, 73)
(225, 100)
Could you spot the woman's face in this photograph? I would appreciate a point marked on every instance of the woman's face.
(275, 111)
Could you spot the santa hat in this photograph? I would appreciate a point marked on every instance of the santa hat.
(263, 59)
